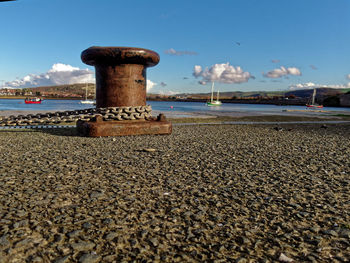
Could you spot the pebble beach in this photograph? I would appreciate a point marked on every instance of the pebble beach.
(206, 193)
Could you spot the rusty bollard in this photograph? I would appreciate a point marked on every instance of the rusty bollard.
(121, 82)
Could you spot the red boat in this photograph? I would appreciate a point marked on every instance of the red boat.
(32, 101)
(314, 106)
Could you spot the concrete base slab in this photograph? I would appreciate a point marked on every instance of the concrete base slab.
(100, 128)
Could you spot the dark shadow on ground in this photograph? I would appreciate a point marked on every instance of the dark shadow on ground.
(71, 131)
(60, 131)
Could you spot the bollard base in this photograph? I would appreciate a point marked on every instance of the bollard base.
(100, 128)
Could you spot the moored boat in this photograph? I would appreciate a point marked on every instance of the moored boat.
(314, 106)
(32, 100)
(86, 101)
(213, 102)
(312, 103)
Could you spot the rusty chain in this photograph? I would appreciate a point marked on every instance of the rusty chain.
(110, 113)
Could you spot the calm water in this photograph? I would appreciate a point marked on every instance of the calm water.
(163, 106)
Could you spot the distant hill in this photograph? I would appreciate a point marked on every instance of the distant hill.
(305, 93)
(321, 92)
(78, 89)
(230, 94)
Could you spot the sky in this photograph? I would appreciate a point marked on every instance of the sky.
(241, 45)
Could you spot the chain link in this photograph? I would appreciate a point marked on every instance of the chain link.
(110, 113)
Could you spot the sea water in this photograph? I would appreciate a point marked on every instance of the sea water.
(45, 105)
(162, 106)
(165, 106)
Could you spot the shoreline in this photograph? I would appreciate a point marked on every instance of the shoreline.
(228, 116)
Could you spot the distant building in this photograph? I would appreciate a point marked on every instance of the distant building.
(7, 92)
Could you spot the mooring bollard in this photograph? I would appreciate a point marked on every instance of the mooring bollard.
(121, 86)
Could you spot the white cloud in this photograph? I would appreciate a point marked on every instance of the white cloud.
(197, 71)
(174, 52)
(348, 76)
(167, 92)
(150, 84)
(59, 74)
(282, 71)
(224, 73)
(311, 85)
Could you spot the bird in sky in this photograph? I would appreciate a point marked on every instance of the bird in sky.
(238, 43)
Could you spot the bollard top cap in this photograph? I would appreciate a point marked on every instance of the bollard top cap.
(119, 55)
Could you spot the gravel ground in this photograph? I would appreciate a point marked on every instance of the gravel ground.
(219, 193)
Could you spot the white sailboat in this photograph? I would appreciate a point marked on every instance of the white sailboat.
(86, 101)
(312, 103)
(213, 102)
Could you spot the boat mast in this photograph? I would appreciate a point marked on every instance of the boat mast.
(212, 92)
(217, 96)
(313, 97)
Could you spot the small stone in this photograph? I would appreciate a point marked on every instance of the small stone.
(345, 233)
(109, 258)
(37, 260)
(87, 225)
(63, 249)
(22, 223)
(110, 236)
(315, 229)
(241, 260)
(89, 258)
(21, 213)
(82, 246)
(5, 221)
(311, 259)
(24, 243)
(58, 218)
(271, 252)
(62, 260)
(143, 233)
(96, 194)
(74, 233)
(284, 258)
(154, 241)
(331, 233)
(149, 150)
(108, 221)
(4, 243)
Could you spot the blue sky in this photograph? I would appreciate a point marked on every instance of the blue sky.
(240, 44)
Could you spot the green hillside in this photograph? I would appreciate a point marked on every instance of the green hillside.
(78, 89)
